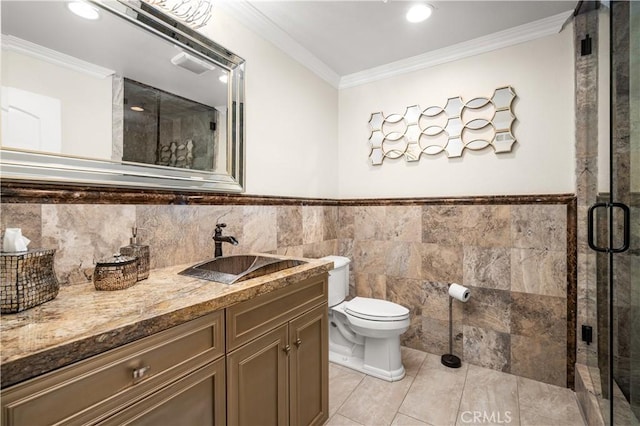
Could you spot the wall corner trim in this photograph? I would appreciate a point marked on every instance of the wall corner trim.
(260, 24)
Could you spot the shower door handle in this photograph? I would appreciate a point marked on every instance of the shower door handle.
(626, 231)
(626, 239)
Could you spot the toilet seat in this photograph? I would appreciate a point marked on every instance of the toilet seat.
(375, 309)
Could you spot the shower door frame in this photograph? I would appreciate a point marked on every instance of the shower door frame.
(616, 294)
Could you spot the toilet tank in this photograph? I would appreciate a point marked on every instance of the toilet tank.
(338, 279)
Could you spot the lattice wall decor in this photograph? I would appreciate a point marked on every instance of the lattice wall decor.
(475, 125)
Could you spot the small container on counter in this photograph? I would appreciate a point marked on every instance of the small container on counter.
(27, 279)
(115, 273)
(140, 252)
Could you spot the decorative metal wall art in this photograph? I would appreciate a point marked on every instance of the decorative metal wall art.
(477, 124)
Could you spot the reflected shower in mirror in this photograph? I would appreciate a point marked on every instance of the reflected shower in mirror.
(168, 130)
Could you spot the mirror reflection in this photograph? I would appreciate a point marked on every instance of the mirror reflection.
(164, 129)
(131, 87)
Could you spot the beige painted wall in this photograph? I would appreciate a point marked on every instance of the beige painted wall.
(540, 71)
(292, 118)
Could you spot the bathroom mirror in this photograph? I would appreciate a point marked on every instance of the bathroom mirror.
(131, 98)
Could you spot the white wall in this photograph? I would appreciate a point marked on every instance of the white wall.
(542, 75)
(291, 117)
(85, 101)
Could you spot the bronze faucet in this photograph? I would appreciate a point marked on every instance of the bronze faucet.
(219, 239)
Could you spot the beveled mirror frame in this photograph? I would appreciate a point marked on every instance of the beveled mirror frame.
(30, 166)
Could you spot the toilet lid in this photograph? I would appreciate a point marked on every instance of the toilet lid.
(376, 309)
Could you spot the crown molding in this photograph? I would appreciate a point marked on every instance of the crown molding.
(509, 37)
(248, 15)
(25, 47)
(264, 27)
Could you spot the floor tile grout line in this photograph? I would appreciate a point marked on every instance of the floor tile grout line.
(409, 388)
(411, 417)
(582, 416)
(464, 386)
(518, 401)
(413, 379)
(347, 398)
(397, 410)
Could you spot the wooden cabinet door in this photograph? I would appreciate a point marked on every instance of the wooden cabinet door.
(309, 364)
(257, 381)
(196, 399)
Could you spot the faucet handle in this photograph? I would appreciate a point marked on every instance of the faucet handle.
(218, 231)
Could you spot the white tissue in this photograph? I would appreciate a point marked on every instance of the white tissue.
(14, 241)
(459, 292)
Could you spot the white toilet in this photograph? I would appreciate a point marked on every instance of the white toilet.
(364, 333)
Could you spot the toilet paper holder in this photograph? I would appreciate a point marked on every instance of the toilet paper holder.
(461, 293)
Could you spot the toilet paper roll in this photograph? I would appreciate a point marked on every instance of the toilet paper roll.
(14, 241)
(459, 292)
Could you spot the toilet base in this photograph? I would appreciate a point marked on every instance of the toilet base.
(356, 363)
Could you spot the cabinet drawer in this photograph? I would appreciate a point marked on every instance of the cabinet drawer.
(250, 319)
(197, 399)
(91, 389)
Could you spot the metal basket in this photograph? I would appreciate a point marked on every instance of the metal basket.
(116, 273)
(141, 253)
(27, 280)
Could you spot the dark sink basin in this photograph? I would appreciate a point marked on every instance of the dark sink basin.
(236, 268)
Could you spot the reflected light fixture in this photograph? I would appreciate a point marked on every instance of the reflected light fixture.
(84, 10)
(194, 13)
(137, 108)
(419, 12)
(224, 78)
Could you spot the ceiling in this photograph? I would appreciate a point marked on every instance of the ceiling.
(347, 38)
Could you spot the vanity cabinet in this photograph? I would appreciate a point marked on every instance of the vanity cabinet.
(277, 360)
(177, 366)
(259, 362)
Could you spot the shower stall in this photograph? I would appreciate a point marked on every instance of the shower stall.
(613, 268)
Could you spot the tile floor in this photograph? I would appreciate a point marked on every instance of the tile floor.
(431, 394)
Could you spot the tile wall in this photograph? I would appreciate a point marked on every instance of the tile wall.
(513, 257)
(176, 234)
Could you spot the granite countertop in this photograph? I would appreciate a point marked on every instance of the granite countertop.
(81, 322)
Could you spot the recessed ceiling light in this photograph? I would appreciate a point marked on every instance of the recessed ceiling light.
(137, 108)
(84, 10)
(419, 13)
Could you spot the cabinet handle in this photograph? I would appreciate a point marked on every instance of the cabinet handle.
(298, 342)
(140, 373)
(287, 349)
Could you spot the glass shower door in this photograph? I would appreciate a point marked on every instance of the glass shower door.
(624, 221)
(615, 226)
(626, 189)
